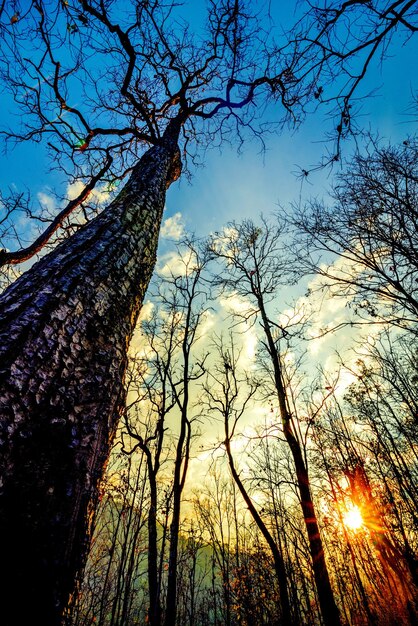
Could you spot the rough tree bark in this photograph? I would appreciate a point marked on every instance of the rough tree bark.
(73, 313)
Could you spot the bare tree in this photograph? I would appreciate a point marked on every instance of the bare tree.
(255, 268)
(364, 247)
(383, 399)
(99, 83)
(117, 559)
(189, 301)
(144, 84)
(166, 375)
(335, 46)
(361, 475)
(215, 507)
(145, 424)
(225, 395)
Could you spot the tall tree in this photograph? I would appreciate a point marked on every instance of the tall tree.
(145, 84)
(255, 268)
(189, 302)
(166, 375)
(225, 396)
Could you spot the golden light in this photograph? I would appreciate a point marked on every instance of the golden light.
(353, 518)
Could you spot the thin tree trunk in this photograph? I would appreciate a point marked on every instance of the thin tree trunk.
(182, 460)
(279, 565)
(64, 332)
(329, 610)
(154, 584)
(181, 464)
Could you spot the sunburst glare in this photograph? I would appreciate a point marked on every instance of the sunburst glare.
(353, 518)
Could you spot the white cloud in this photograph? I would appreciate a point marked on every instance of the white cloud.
(233, 304)
(207, 324)
(246, 339)
(138, 346)
(249, 340)
(173, 227)
(174, 264)
(225, 243)
(47, 201)
(146, 311)
(100, 194)
(326, 312)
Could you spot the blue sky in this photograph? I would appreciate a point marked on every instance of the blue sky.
(231, 186)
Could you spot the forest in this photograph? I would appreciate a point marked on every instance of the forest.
(295, 453)
(206, 424)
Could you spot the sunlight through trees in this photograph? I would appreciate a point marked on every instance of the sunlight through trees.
(218, 427)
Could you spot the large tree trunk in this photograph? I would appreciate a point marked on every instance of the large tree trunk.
(64, 332)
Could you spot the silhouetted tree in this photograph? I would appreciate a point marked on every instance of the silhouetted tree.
(255, 268)
(364, 246)
(336, 45)
(166, 375)
(228, 394)
(144, 84)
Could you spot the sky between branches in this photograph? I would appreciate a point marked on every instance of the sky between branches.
(231, 186)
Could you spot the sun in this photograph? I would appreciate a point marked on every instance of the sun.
(353, 518)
